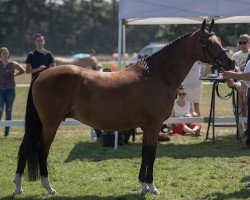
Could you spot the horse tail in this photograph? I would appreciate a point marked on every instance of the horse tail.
(32, 136)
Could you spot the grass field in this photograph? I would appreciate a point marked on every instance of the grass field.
(185, 167)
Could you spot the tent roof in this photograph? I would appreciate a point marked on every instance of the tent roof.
(183, 11)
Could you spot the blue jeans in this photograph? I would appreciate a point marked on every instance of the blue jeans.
(7, 97)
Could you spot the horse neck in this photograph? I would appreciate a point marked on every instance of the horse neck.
(174, 61)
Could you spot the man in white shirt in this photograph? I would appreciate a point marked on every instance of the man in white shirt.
(245, 84)
(242, 85)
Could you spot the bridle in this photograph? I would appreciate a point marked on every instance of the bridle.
(216, 60)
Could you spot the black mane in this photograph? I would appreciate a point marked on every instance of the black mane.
(165, 48)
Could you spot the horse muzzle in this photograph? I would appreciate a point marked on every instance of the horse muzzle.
(230, 65)
(227, 63)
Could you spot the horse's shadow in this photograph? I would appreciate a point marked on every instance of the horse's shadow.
(241, 194)
(58, 197)
(222, 147)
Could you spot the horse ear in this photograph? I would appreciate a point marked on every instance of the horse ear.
(211, 25)
(203, 26)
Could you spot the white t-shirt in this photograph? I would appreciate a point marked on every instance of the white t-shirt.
(240, 59)
(181, 111)
(247, 69)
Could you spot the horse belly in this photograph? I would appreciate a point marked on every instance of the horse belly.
(108, 113)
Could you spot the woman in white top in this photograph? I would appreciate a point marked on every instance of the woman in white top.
(182, 109)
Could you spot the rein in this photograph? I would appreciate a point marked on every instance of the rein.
(203, 40)
(228, 96)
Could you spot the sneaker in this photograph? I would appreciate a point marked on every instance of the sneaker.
(6, 134)
(244, 135)
(197, 132)
(248, 143)
(165, 129)
(241, 127)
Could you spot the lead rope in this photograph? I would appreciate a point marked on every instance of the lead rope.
(228, 96)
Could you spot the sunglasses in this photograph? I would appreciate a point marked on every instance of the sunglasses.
(242, 42)
(181, 94)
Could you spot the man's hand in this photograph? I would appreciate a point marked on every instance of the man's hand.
(230, 82)
(227, 74)
(42, 67)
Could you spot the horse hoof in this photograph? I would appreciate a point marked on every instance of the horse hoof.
(52, 192)
(153, 189)
(17, 192)
(145, 188)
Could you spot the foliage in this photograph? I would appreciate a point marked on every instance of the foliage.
(229, 33)
(72, 26)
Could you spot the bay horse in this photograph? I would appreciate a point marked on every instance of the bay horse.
(142, 95)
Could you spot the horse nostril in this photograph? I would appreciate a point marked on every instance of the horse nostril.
(231, 64)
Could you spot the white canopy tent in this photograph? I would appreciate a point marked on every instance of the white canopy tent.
(142, 12)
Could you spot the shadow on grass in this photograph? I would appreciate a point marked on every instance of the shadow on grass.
(244, 193)
(226, 147)
(122, 197)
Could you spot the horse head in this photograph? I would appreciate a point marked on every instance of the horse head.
(212, 49)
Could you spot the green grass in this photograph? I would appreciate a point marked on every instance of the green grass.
(185, 167)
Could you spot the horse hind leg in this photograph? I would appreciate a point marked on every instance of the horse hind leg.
(48, 136)
(22, 158)
(20, 169)
(18, 182)
(43, 155)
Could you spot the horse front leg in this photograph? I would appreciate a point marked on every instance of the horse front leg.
(150, 137)
(143, 168)
(150, 168)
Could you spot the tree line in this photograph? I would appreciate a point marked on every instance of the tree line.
(73, 26)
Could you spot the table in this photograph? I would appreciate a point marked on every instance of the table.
(211, 121)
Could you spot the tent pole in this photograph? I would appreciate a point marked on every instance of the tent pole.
(123, 44)
(119, 43)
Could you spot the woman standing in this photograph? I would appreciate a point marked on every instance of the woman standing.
(193, 86)
(7, 84)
